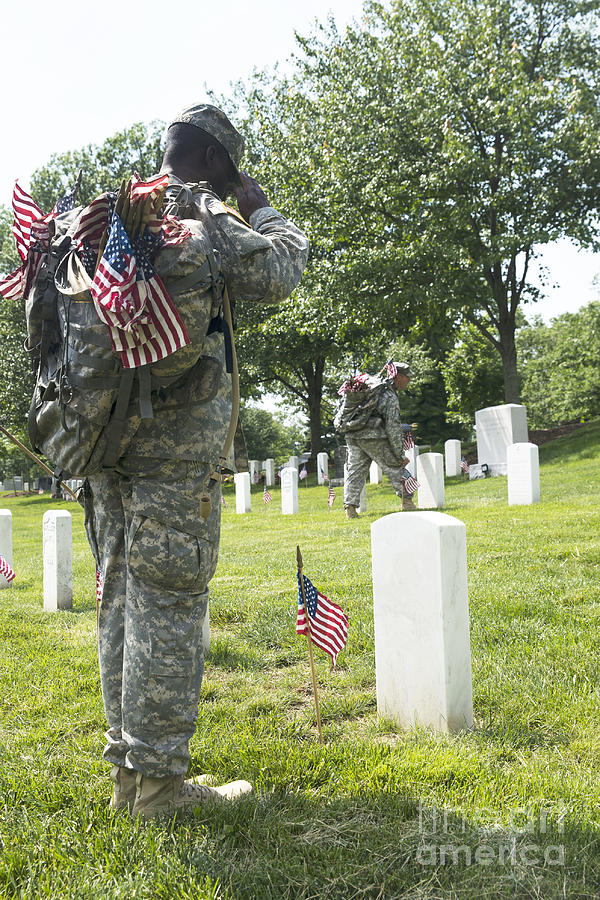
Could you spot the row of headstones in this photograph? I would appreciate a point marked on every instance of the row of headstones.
(16, 483)
(255, 467)
(522, 468)
(57, 556)
(431, 623)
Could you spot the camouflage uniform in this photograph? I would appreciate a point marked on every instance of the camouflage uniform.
(380, 441)
(154, 552)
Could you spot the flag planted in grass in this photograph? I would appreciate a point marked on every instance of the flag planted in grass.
(267, 496)
(464, 465)
(303, 473)
(328, 622)
(6, 569)
(330, 497)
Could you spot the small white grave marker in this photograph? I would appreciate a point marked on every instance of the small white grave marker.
(497, 428)
(269, 472)
(430, 476)
(289, 490)
(375, 473)
(6, 543)
(243, 503)
(58, 560)
(523, 474)
(421, 616)
(322, 467)
(413, 455)
(453, 455)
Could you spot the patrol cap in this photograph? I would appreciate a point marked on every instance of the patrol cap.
(403, 368)
(214, 122)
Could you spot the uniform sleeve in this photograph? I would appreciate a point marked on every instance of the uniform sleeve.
(394, 428)
(263, 262)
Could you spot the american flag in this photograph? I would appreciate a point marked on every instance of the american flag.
(410, 485)
(303, 473)
(408, 440)
(328, 622)
(31, 231)
(99, 587)
(279, 471)
(255, 476)
(330, 497)
(324, 476)
(390, 369)
(131, 299)
(6, 569)
(464, 465)
(267, 496)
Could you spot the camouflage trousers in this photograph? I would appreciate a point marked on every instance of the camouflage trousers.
(156, 557)
(361, 453)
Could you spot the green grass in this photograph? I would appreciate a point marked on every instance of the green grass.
(368, 813)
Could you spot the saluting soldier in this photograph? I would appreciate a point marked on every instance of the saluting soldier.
(155, 554)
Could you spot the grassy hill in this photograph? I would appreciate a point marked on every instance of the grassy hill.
(510, 809)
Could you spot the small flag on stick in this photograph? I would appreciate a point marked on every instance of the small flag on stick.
(6, 569)
(267, 496)
(464, 465)
(324, 476)
(408, 440)
(303, 474)
(410, 485)
(328, 625)
(330, 497)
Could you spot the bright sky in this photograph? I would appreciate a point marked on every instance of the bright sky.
(95, 68)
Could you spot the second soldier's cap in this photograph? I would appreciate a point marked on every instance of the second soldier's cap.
(214, 121)
(403, 368)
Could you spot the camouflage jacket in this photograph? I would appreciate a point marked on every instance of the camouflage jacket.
(262, 262)
(384, 424)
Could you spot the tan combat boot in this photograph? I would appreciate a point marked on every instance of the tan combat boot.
(124, 789)
(408, 504)
(351, 512)
(168, 795)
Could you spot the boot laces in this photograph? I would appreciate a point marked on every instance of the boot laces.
(195, 791)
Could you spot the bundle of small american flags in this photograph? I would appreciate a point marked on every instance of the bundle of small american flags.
(130, 298)
(328, 622)
(6, 569)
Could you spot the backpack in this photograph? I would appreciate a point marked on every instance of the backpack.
(86, 406)
(356, 408)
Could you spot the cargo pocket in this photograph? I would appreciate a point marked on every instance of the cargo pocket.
(169, 544)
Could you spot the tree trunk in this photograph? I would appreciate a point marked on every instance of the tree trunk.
(314, 380)
(508, 352)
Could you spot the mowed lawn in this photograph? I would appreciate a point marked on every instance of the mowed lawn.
(511, 809)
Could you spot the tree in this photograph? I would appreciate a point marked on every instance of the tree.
(266, 437)
(473, 376)
(559, 367)
(461, 136)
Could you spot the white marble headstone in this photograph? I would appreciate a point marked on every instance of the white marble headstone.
(421, 617)
(243, 501)
(289, 490)
(523, 474)
(58, 560)
(322, 467)
(497, 428)
(453, 456)
(430, 475)
(294, 461)
(269, 472)
(375, 473)
(413, 455)
(6, 542)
